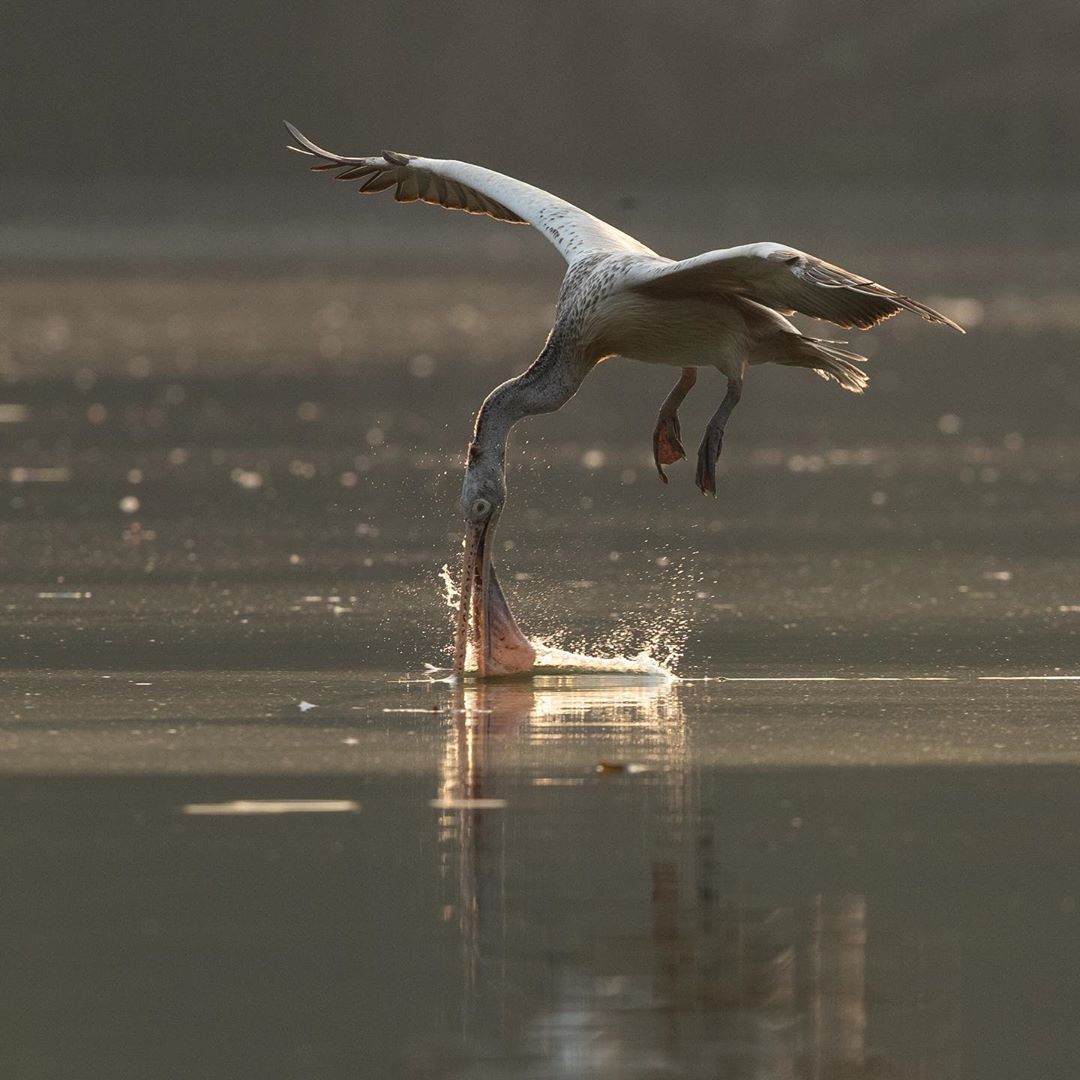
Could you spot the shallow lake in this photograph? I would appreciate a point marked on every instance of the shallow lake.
(247, 832)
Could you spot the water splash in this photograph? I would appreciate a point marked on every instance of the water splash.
(451, 592)
(628, 650)
(553, 661)
(651, 633)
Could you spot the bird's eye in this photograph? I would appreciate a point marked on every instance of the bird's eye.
(481, 507)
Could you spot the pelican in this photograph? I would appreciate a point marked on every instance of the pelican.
(724, 309)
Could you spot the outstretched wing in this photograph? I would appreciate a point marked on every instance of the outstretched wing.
(457, 185)
(785, 279)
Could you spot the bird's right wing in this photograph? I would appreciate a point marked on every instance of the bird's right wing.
(785, 279)
(457, 185)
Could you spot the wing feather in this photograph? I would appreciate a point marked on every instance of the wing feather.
(458, 185)
(408, 189)
(787, 280)
(349, 174)
(380, 181)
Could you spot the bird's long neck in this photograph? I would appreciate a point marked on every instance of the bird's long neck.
(549, 383)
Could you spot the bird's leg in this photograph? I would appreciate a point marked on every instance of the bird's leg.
(713, 442)
(666, 440)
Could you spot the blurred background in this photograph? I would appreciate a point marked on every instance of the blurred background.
(147, 132)
(941, 120)
(234, 405)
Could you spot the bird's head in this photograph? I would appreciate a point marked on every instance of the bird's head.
(483, 491)
(484, 622)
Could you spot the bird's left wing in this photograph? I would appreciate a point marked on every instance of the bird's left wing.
(786, 279)
(458, 185)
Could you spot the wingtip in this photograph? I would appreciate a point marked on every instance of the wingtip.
(306, 146)
(946, 321)
(932, 315)
(294, 131)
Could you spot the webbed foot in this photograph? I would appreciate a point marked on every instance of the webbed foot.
(667, 444)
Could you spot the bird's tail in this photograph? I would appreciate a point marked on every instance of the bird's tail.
(825, 359)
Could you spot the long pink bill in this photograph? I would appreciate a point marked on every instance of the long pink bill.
(486, 632)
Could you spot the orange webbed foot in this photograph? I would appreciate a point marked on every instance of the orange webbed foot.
(667, 444)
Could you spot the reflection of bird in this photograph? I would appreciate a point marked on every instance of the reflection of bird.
(722, 309)
(491, 725)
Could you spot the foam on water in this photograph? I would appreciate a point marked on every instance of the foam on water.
(553, 661)
(662, 646)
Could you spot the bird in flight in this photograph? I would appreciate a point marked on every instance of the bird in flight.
(724, 309)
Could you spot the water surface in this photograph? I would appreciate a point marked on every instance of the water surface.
(245, 834)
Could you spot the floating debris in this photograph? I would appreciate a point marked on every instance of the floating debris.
(618, 768)
(1028, 678)
(468, 804)
(307, 706)
(274, 806)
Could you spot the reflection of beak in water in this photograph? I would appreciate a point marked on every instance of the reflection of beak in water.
(498, 720)
(470, 833)
(486, 638)
(607, 717)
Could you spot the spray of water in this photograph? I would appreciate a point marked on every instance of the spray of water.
(648, 642)
(451, 593)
